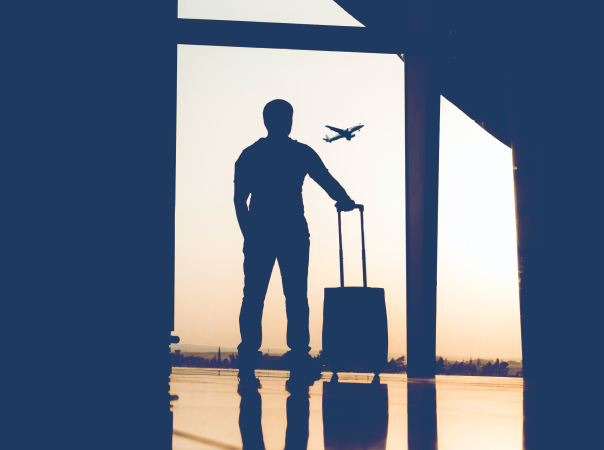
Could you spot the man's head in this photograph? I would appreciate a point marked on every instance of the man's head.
(278, 117)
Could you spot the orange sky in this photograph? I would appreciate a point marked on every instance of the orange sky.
(221, 93)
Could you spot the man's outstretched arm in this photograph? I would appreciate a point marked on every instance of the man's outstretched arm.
(321, 175)
(334, 190)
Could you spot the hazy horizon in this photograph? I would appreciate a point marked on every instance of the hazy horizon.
(278, 351)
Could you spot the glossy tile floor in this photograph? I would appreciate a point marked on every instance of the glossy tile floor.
(450, 413)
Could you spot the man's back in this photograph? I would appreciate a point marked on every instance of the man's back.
(273, 171)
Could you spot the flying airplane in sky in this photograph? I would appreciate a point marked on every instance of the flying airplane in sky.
(348, 133)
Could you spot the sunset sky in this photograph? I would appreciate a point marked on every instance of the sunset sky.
(221, 94)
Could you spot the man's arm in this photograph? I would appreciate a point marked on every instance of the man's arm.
(242, 192)
(321, 175)
(241, 209)
(329, 184)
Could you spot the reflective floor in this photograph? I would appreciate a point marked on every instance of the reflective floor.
(450, 413)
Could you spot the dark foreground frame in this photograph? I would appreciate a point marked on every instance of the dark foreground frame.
(89, 166)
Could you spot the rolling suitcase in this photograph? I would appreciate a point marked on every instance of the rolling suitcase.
(355, 326)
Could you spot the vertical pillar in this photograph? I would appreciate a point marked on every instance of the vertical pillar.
(556, 144)
(526, 193)
(422, 116)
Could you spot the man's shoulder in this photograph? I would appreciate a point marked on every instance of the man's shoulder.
(249, 152)
(298, 143)
(254, 147)
(303, 148)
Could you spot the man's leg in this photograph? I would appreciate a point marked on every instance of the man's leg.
(293, 262)
(257, 268)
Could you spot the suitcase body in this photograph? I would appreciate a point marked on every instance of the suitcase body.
(355, 324)
(355, 329)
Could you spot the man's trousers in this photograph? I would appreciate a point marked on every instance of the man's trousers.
(260, 254)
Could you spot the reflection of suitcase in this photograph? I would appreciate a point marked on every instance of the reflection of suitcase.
(355, 416)
(355, 327)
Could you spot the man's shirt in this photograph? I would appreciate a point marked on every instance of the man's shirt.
(273, 170)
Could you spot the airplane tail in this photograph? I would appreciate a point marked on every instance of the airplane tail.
(326, 138)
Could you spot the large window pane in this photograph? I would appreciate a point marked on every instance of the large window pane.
(221, 94)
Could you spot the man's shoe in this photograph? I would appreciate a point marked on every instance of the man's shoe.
(304, 369)
(248, 379)
(300, 379)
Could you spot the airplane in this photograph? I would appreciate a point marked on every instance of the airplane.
(348, 133)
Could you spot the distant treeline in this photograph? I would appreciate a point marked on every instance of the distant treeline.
(476, 368)
(267, 362)
(471, 368)
(443, 366)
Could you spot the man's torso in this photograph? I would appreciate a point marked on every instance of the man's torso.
(274, 172)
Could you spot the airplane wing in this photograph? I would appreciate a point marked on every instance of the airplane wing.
(337, 130)
(335, 138)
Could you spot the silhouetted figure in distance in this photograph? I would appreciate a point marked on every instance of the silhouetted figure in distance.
(272, 171)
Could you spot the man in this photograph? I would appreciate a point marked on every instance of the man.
(272, 170)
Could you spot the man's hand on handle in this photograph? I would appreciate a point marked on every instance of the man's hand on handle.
(345, 205)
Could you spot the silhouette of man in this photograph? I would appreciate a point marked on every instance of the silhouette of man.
(273, 170)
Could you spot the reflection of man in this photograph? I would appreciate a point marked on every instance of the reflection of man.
(298, 415)
(297, 412)
(250, 419)
(274, 228)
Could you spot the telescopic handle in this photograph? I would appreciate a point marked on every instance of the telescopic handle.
(361, 209)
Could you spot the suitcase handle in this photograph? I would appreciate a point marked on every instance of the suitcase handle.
(361, 208)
